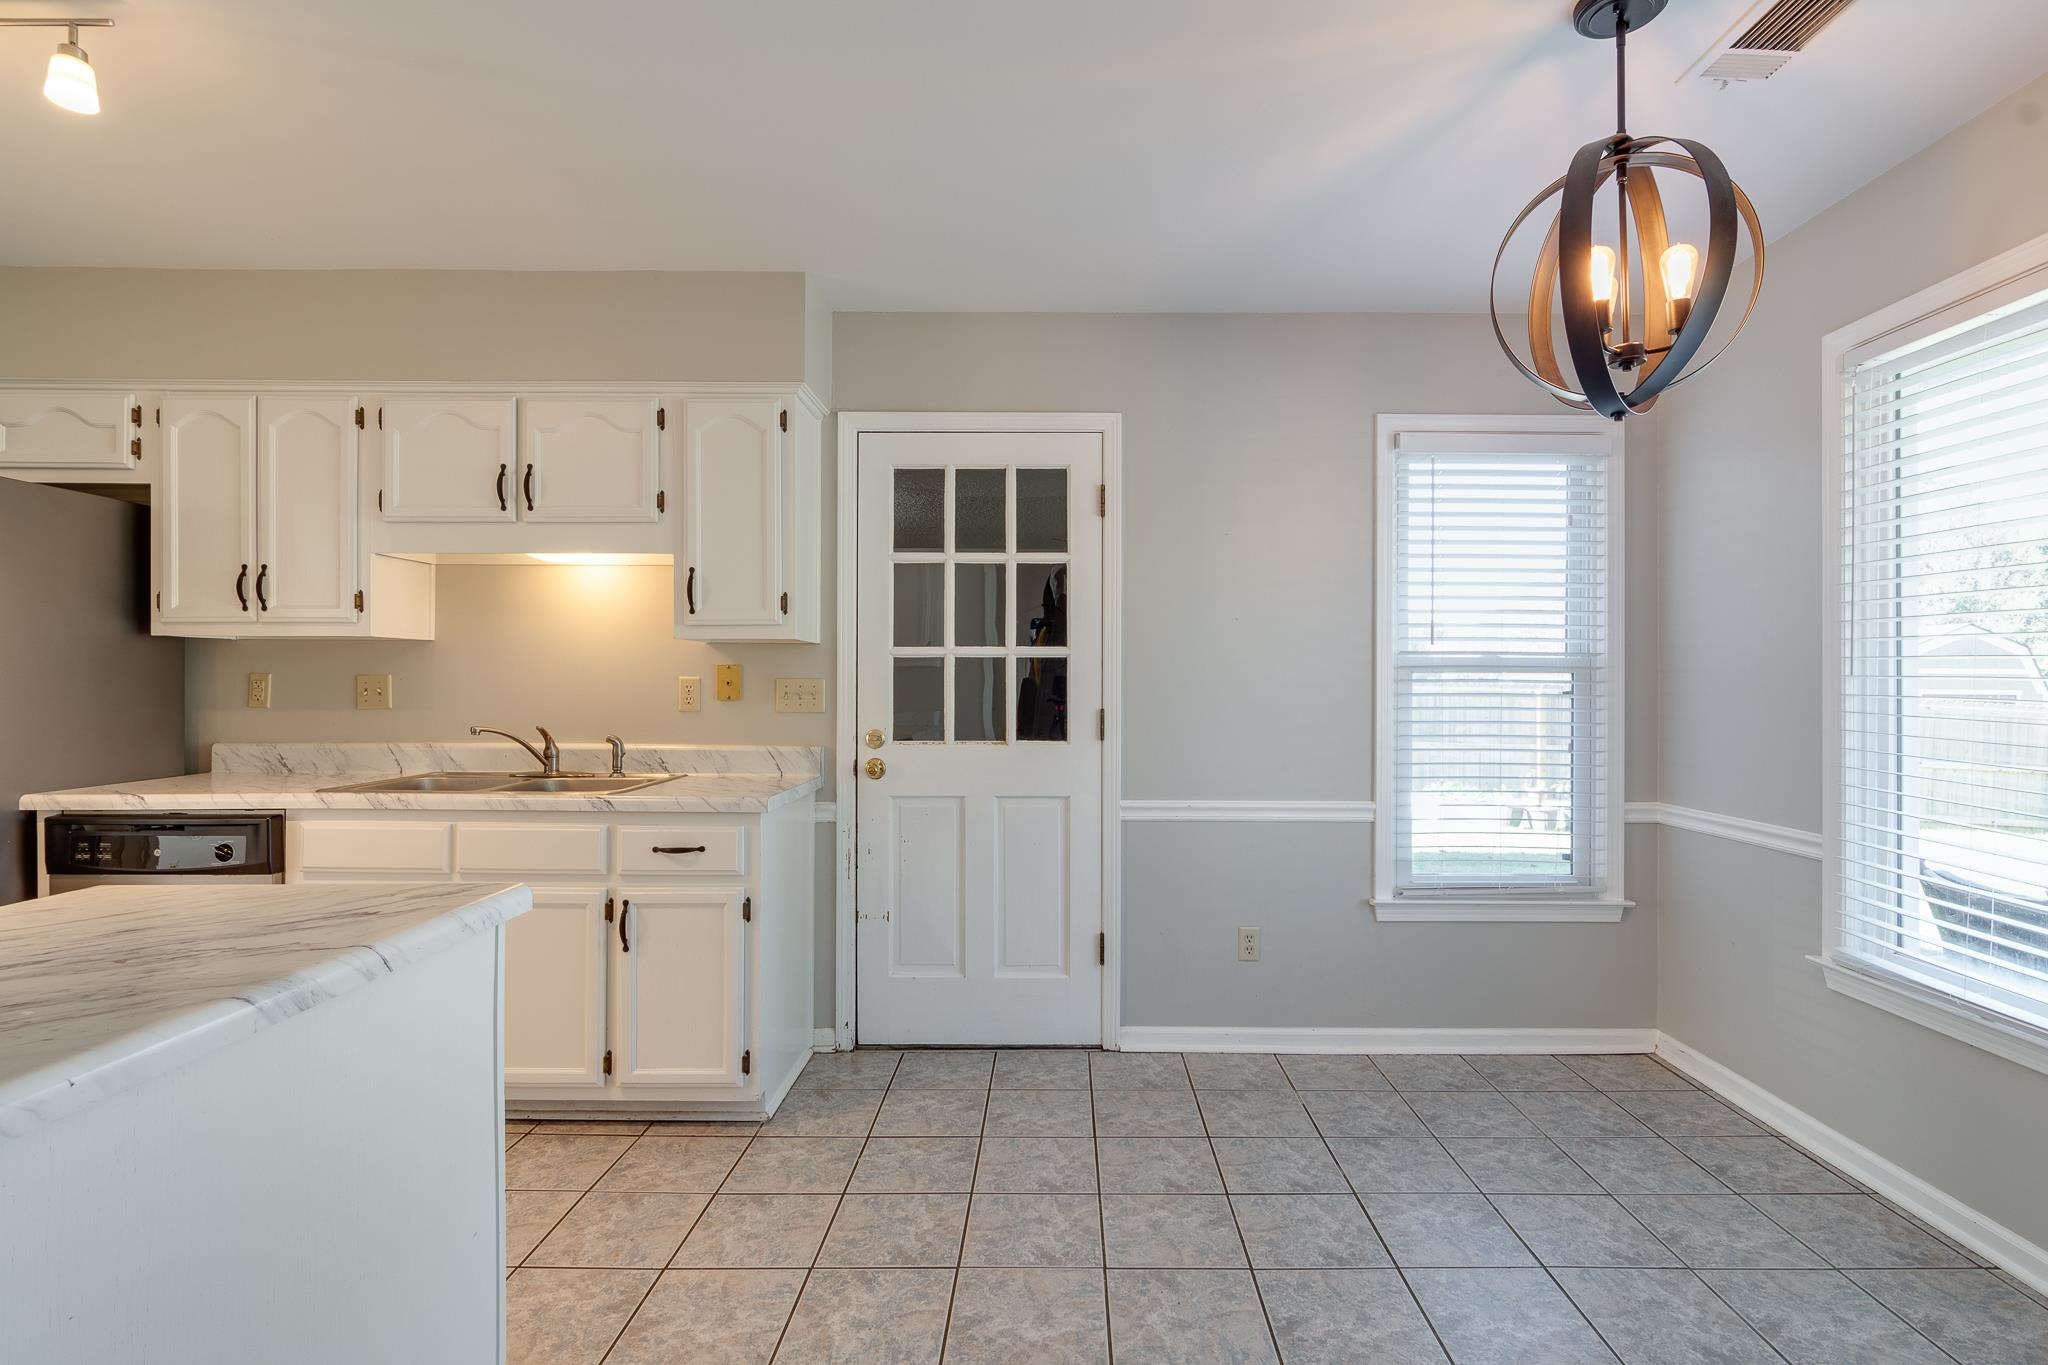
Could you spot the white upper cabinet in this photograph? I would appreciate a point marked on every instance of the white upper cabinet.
(449, 459)
(750, 520)
(589, 459)
(203, 511)
(60, 430)
(306, 565)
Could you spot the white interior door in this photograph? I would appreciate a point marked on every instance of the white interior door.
(978, 688)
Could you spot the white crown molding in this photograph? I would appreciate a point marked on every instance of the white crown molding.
(1314, 812)
(1363, 1040)
(1944, 1212)
(1801, 843)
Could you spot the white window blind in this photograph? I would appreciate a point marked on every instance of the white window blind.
(1501, 667)
(1943, 834)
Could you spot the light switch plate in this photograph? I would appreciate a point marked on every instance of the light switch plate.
(800, 696)
(259, 691)
(689, 696)
(728, 682)
(373, 691)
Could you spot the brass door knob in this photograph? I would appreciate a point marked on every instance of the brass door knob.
(875, 767)
(874, 739)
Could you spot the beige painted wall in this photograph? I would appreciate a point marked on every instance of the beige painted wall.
(1743, 583)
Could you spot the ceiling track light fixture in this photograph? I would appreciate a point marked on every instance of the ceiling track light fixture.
(70, 83)
(1592, 284)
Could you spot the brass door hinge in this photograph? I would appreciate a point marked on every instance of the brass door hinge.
(747, 910)
(661, 419)
(1102, 724)
(1101, 499)
(785, 419)
(661, 499)
(359, 599)
(747, 1062)
(1102, 950)
(359, 418)
(785, 604)
(135, 415)
(607, 1061)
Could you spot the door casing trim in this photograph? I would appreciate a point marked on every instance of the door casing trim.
(845, 743)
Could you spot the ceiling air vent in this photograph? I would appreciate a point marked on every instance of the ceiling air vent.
(1765, 39)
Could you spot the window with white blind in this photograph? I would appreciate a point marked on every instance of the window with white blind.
(1498, 673)
(1938, 832)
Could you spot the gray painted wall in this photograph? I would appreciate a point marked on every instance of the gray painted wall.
(87, 694)
(1743, 578)
(1247, 650)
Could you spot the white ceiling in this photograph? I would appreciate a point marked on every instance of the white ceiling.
(930, 154)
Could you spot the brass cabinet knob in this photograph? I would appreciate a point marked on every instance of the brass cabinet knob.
(875, 767)
(873, 739)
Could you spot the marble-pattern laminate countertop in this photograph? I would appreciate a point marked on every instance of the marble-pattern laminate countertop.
(105, 988)
(735, 780)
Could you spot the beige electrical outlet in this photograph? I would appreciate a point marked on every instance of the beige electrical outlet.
(800, 696)
(688, 695)
(728, 682)
(259, 691)
(373, 691)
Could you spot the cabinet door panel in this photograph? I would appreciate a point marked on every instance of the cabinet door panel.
(732, 567)
(554, 989)
(449, 459)
(66, 429)
(306, 505)
(203, 504)
(589, 459)
(679, 998)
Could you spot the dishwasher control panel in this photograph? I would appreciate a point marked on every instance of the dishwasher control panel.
(190, 845)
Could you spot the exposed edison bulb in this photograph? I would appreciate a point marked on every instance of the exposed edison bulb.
(71, 83)
(1603, 274)
(1681, 264)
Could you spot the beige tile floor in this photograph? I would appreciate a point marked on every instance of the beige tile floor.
(1046, 1207)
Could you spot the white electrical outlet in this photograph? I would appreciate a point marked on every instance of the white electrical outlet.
(259, 691)
(803, 696)
(688, 698)
(373, 691)
(1247, 945)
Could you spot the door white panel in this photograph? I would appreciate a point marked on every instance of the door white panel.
(589, 460)
(66, 429)
(306, 508)
(732, 568)
(449, 459)
(928, 918)
(203, 506)
(1032, 929)
(555, 989)
(679, 1002)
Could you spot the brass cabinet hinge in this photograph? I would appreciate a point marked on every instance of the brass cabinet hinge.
(661, 499)
(1102, 724)
(785, 604)
(135, 446)
(1102, 950)
(609, 904)
(747, 910)
(135, 415)
(359, 599)
(607, 1061)
(661, 419)
(380, 500)
(359, 419)
(747, 1062)
(159, 601)
(380, 417)
(1101, 499)
(785, 419)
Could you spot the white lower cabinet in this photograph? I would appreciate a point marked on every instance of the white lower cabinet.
(664, 967)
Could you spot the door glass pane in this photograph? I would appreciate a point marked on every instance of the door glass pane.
(920, 509)
(1041, 509)
(920, 604)
(1041, 699)
(978, 691)
(920, 699)
(977, 604)
(1041, 604)
(978, 510)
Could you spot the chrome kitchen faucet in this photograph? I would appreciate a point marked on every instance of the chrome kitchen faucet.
(549, 756)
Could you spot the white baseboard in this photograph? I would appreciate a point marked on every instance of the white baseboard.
(1949, 1215)
(1387, 1039)
(824, 1040)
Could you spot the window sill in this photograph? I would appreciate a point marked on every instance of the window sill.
(1446, 910)
(1895, 993)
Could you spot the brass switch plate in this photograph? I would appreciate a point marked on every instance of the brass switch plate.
(728, 682)
(373, 691)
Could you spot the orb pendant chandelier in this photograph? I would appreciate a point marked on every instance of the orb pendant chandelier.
(1636, 307)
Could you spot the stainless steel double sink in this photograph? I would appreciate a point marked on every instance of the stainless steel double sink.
(512, 784)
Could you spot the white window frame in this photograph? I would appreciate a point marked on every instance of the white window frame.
(2005, 279)
(1600, 904)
